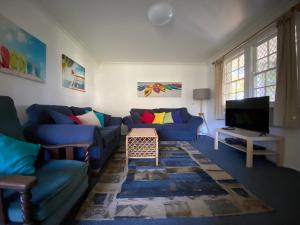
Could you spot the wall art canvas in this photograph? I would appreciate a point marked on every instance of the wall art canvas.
(73, 74)
(159, 89)
(21, 54)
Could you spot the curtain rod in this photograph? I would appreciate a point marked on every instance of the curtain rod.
(293, 9)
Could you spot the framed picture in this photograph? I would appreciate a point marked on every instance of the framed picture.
(159, 89)
(21, 54)
(73, 74)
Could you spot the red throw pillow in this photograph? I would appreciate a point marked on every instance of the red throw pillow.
(75, 119)
(147, 117)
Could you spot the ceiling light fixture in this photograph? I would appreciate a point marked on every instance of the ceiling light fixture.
(160, 14)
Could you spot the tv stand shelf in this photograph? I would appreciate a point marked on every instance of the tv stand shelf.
(250, 137)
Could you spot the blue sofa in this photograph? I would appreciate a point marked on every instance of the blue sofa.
(185, 131)
(55, 187)
(42, 129)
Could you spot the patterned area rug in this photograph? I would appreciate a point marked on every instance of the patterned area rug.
(185, 184)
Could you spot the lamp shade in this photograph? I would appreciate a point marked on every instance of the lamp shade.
(201, 93)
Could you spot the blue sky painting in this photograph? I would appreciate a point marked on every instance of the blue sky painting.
(21, 54)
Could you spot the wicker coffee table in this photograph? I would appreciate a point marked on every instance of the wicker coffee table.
(142, 143)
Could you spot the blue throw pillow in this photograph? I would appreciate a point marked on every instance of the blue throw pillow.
(185, 116)
(100, 117)
(177, 117)
(60, 118)
(136, 118)
(17, 157)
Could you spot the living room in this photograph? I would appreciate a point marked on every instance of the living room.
(148, 57)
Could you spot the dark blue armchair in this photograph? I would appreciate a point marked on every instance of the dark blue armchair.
(48, 195)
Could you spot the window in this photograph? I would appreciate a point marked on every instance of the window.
(234, 78)
(264, 76)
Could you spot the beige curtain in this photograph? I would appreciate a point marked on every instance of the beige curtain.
(286, 103)
(219, 102)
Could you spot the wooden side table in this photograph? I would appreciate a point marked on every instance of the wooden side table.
(250, 137)
(142, 143)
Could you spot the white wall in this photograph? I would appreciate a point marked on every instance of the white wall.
(31, 18)
(117, 85)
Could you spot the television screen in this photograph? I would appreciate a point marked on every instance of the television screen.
(250, 113)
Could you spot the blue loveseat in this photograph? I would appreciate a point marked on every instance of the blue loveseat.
(185, 131)
(42, 129)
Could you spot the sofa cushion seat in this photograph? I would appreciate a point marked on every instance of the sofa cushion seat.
(179, 126)
(156, 126)
(57, 180)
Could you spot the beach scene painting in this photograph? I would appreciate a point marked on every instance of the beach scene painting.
(21, 54)
(159, 89)
(73, 74)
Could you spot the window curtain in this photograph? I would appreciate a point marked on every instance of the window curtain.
(286, 103)
(219, 101)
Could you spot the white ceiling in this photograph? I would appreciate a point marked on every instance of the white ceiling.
(119, 31)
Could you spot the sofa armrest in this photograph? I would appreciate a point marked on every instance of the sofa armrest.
(115, 121)
(195, 122)
(61, 134)
(22, 184)
(128, 122)
(18, 183)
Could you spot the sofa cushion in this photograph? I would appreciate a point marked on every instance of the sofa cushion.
(79, 110)
(135, 116)
(39, 114)
(185, 116)
(60, 118)
(168, 118)
(176, 126)
(17, 157)
(143, 125)
(89, 118)
(147, 117)
(57, 180)
(100, 117)
(159, 118)
(140, 111)
(176, 115)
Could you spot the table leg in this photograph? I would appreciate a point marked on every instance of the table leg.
(280, 151)
(127, 152)
(156, 143)
(249, 159)
(216, 140)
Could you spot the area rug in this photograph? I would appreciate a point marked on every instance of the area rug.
(185, 184)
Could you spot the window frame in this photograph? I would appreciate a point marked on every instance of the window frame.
(258, 41)
(229, 60)
(249, 61)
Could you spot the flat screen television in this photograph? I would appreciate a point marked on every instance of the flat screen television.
(250, 113)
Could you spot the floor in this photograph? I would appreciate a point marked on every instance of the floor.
(278, 187)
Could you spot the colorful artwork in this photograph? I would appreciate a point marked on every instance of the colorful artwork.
(21, 54)
(73, 74)
(159, 89)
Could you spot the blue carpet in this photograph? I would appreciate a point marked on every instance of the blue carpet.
(166, 180)
(278, 187)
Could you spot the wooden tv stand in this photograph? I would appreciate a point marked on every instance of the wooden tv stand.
(250, 137)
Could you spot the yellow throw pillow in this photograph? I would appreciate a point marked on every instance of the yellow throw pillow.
(159, 118)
